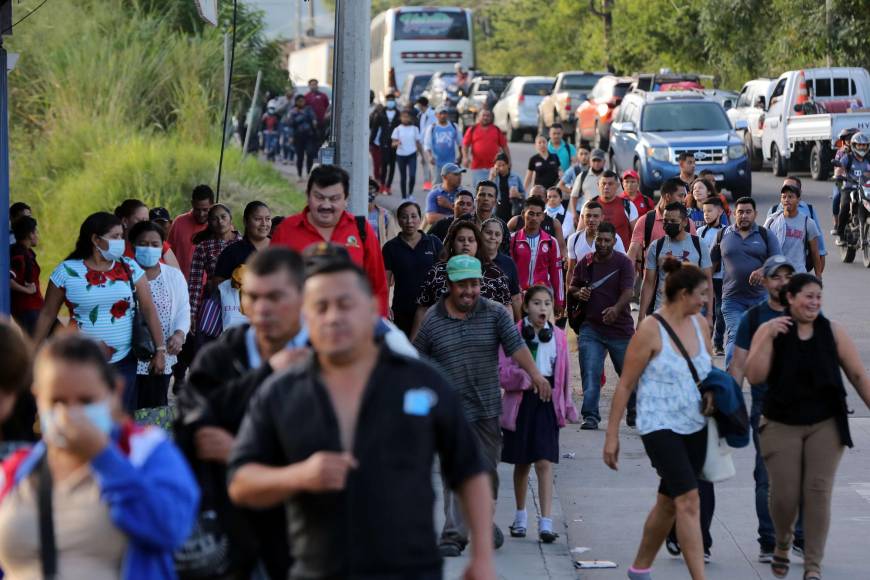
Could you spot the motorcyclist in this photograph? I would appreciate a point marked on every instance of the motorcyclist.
(463, 77)
(842, 150)
(856, 167)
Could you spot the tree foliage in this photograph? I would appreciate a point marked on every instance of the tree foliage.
(734, 40)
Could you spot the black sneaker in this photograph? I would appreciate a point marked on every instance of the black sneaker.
(589, 425)
(449, 550)
(765, 554)
(719, 350)
(497, 537)
(708, 557)
(547, 536)
(798, 548)
(672, 547)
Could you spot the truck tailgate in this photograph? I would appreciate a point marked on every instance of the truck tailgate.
(824, 127)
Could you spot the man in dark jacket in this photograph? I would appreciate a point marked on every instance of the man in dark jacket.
(223, 378)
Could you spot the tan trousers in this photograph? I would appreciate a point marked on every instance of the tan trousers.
(802, 461)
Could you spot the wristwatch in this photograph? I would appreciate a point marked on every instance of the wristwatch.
(161, 349)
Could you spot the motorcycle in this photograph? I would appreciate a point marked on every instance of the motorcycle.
(856, 236)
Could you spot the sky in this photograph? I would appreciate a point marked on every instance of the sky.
(281, 17)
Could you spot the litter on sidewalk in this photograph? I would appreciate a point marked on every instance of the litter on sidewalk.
(589, 564)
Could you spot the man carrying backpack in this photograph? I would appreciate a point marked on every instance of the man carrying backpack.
(798, 235)
(804, 209)
(742, 249)
(678, 244)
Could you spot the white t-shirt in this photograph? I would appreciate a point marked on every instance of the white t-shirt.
(568, 220)
(408, 136)
(579, 247)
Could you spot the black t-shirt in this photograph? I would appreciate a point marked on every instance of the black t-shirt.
(546, 169)
(409, 266)
(408, 413)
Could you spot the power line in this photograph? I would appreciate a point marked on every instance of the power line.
(23, 18)
(226, 102)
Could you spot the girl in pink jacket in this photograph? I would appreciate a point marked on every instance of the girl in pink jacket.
(531, 420)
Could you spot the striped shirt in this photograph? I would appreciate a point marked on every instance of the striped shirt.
(466, 350)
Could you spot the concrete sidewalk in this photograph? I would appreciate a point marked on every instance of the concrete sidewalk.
(519, 558)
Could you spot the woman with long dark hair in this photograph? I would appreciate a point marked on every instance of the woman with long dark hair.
(96, 282)
(670, 414)
(804, 427)
(463, 237)
(210, 242)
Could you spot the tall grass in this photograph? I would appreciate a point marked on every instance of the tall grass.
(109, 102)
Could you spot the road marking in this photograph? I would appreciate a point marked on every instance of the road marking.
(862, 489)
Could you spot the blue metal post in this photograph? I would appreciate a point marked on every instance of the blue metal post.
(5, 304)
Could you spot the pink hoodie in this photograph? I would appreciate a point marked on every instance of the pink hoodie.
(514, 380)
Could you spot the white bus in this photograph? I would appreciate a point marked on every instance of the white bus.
(415, 39)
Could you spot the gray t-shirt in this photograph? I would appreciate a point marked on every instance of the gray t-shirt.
(793, 234)
(684, 250)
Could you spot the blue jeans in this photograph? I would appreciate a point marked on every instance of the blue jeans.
(407, 173)
(732, 310)
(270, 139)
(126, 369)
(835, 200)
(766, 532)
(287, 151)
(718, 319)
(593, 347)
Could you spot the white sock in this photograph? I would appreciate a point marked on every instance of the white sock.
(521, 519)
(545, 525)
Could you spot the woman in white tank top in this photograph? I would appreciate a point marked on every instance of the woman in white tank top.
(669, 415)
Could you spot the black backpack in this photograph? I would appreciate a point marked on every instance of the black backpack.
(660, 243)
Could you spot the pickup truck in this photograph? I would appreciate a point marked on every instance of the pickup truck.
(750, 108)
(799, 136)
(560, 106)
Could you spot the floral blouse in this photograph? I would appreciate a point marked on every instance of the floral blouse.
(101, 303)
(494, 285)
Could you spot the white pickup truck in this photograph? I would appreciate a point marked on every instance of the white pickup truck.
(750, 108)
(802, 137)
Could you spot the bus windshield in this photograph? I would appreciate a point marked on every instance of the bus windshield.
(431, 25)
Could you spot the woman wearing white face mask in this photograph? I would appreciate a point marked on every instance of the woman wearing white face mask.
(98, 497)
(170, 297)
(95, 282)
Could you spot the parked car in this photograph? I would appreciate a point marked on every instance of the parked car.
(442, 89)
(596, 113)
(516, 112)
(798, 137)
(483, 94)
(667, 80)
(412, 88)
(650, 131)
(750, 109)
(568, 92)
(725, 98)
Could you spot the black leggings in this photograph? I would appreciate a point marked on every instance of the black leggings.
(305, 146)
(388, 165)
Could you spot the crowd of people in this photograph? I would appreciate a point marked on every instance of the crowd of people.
(309, 370)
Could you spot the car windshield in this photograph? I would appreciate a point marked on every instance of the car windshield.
(419, 85)
(494, 85)
(431, 24)
(444, 80)
(537, 88)
(579, 82)
(683, 116)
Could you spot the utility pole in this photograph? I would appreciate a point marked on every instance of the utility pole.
(311, 28)
(606, 15)
(6, 28)
(350, 100)
(829, 29)
(250, 116)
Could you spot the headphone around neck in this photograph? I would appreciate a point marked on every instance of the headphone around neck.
(529, 332)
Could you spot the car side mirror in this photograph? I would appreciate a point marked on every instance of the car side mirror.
(628, 127)
(760, 102)
(741, 125)
(727, 104)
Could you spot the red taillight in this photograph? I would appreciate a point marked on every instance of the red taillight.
(522, 98)
(613, 101)
(568, 103)
(761, 123)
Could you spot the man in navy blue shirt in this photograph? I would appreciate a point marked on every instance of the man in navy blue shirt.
(439, 201)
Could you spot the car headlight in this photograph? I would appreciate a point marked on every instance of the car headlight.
(736, 151)
(658, 153)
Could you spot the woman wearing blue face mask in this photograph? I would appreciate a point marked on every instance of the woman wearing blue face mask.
(95, 282)
(170, 296)
(98, 497)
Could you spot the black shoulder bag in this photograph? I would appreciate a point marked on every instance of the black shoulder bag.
(143, 346)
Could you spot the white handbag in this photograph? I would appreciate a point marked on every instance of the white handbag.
(719, 463)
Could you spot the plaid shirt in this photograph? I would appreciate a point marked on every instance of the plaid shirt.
(202, 266)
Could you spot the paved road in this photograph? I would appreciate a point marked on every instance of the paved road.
(603, 511)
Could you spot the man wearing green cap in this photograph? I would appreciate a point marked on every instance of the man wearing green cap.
(462, 334)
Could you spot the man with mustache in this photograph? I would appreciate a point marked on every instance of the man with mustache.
(325, 219)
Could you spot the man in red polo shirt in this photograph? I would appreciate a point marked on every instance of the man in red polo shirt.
(326, 219)
(480, 146)
(189, 224)
(319, 103)
(617, 210)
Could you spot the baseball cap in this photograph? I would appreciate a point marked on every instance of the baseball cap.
(774, 263)
(159, 213)
(463, 267)
(597, 154)
(790, 188)
(630, 173)
(451, 168)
